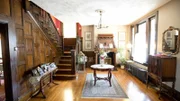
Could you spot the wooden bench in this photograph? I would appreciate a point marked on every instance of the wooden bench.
(41, 77)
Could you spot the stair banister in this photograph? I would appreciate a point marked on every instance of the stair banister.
(73, 61)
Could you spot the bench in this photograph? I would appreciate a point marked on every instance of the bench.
(42, 76)
(136, 69)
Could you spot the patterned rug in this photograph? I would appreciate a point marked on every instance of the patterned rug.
(102, 88)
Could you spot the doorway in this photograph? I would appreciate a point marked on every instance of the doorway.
(2, 88)
(3, 52)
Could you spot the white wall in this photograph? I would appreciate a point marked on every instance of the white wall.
(69, 30)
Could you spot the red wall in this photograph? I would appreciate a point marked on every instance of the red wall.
(79, 29)
(58, 24)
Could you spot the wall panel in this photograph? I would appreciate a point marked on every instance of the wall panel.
(27, 48)
(18, 12)
(5, 7)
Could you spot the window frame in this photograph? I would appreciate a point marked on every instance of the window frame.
(147, 20)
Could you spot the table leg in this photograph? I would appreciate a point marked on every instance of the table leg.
(51, 79)
(95, 78)
(109, 77)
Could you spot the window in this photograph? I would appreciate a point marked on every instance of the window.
(132, 37)
(144, 39)
(152, 48)
(140, 44)
(121, 42)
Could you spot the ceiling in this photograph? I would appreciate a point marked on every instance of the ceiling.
(116, 12)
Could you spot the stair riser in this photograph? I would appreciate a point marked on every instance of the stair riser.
(65, 62)
(67, 54)
(67, 58)
(63, 72)
(63, 78)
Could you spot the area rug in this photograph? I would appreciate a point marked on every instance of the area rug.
(102, 88)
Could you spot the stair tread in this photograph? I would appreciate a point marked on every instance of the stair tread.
(64, 64)
(59, 69)
(66, 56)
(67, 52)
(68, 75)
(65, 60)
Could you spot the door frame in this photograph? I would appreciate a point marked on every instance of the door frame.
(9, 55)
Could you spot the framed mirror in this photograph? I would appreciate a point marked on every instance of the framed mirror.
(170, 44)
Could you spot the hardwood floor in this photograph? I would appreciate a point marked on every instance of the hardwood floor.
(71, 90)
(2, 91)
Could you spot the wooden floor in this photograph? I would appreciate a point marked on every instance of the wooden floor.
(71, 90)
(2, 91)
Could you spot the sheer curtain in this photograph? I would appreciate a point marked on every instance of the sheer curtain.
(140, 46)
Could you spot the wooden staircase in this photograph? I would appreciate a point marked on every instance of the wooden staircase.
(46, 24)
(64, 71)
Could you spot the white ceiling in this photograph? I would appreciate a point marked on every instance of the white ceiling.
(117, 12)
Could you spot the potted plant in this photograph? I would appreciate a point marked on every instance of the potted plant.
(121, 57)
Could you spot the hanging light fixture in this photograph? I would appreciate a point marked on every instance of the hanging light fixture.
(100, 25)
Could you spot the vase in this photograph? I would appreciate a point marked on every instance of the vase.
(101, 61)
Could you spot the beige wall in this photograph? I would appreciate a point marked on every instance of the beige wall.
(110, 30)
(169, 15)
(85, 29)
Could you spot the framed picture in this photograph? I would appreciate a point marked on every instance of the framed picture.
(87, 44)
(88, 36)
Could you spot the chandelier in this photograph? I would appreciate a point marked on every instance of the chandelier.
(100, 25)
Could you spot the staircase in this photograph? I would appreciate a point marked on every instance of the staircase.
(45, 23)
(65, 70)
(67, 47)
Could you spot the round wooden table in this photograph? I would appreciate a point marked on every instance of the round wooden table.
(102, 67)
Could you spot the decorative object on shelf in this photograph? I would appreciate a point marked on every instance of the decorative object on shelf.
(100, 25)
